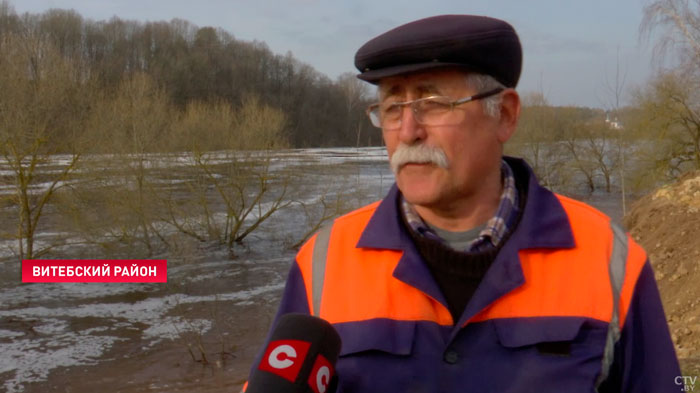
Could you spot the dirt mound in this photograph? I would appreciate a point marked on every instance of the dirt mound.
(667, 224)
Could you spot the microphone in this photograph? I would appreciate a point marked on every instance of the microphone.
(300, 357)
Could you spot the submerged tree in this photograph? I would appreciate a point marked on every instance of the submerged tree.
(42, 108)
(237, 188)
(132, 124)
(537, 137)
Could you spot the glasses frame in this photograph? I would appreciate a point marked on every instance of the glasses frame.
(372, 110)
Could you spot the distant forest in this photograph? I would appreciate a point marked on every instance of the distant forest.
(180, 87)
(205, 65)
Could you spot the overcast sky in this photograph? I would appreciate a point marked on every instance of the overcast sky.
(570, 47)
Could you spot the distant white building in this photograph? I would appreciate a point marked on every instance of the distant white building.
(614, 124)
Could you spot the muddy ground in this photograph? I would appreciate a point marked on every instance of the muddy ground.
(667, 224)
(170, 367)
(205, 326)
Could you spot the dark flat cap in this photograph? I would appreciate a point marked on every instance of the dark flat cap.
(476, 43)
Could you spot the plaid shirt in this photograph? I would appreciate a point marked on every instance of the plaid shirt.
(496, 228)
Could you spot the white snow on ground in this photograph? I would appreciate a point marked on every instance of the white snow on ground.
(9, 334)
(32, 358)
(38, 293)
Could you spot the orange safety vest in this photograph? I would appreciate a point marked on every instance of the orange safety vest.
(594, 279)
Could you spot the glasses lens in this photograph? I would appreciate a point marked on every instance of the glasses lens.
(433, 110)
(429, 111)
(391, 115)
(374, 117)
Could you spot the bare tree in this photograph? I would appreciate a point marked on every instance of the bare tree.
(670, 118)
(615, 89)
(669, 106)
(536, 137)
(680, 22)
(41, 109)
(9, 22)
(356, 95)
(593, 152)
(579, 158)
(131, 125)
(237, 188)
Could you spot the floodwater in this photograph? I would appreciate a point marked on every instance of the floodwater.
(197, 332)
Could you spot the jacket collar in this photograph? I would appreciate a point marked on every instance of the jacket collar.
(544, 223)
(386, 230)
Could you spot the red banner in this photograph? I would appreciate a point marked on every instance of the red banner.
(94, 270)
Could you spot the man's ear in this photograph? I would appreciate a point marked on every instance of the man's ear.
(510, 113)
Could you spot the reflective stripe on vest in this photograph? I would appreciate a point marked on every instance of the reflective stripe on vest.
(616, 269)
(318, 267)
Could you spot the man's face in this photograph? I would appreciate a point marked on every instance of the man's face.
(472, 144)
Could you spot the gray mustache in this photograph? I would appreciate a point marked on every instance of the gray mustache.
(418, 154)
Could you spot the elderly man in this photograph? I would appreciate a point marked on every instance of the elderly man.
(469, 275)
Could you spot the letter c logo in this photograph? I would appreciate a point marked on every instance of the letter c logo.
(284, 358)
(323, 377)
(276, 361)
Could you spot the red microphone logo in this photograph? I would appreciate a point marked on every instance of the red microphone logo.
(285, 358)
(321, 375)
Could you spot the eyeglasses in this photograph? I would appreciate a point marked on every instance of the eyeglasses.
(428, 111)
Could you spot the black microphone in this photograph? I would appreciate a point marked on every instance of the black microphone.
(300, 357)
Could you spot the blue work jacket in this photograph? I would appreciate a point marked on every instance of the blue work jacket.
(538, 322)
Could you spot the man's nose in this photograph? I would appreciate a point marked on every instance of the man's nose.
(410, 130)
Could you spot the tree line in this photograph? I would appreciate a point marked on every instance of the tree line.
(653, 139)
(190, 64)
(87, 107)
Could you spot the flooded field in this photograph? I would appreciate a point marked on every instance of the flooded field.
(200, 330)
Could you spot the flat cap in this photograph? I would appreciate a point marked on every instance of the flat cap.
(476, 43)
